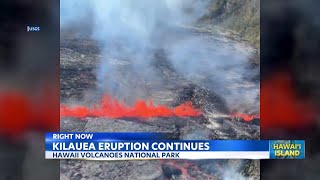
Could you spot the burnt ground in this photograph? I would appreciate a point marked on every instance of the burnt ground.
(80, 57)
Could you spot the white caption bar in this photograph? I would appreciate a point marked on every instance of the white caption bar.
(134, 155)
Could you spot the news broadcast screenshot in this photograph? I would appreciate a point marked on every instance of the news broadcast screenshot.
(159, 90)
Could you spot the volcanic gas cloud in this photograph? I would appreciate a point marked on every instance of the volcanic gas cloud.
(113, 108)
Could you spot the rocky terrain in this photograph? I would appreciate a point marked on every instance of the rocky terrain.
(80, 57)
(242, 17)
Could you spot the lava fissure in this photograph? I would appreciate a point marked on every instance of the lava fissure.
(113, 108)
(245, 117)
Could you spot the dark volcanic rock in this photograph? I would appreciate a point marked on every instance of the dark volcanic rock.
(135, 170)
(201, 98)
(118, 125)
(72, 125)
(79, 60)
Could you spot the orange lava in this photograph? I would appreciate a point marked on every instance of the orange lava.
(112, 108)
(245, 117)
(20, 112)
(185, 166)
(281, 107)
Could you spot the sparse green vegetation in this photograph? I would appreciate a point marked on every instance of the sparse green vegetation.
(242, 16)
(248, 27)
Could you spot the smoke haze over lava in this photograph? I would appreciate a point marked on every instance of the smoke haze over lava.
(158, 69)
(130, 32)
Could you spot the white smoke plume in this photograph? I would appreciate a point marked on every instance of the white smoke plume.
(231, 174)
(134, 29)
